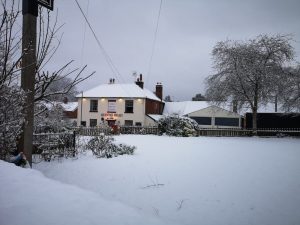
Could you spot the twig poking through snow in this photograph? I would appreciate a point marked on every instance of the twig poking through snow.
(180, 203)
(153, 185)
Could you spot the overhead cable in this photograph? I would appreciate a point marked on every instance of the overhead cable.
(154, 43)
(106, 56)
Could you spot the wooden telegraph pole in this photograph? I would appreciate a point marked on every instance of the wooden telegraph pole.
(30, 13)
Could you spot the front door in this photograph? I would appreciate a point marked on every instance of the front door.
(111, 122)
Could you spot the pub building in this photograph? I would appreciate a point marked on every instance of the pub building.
(120, 104)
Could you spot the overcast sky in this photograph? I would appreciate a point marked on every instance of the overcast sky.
(187, 33)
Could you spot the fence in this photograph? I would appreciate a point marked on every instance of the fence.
(280, 132)
(224, 132)
(216, 132)
(138, 130)
(93, 131)
(48, 146)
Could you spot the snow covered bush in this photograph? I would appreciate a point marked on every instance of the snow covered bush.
(49, 117)
(102, 146)
(11, 118)
(177, 126)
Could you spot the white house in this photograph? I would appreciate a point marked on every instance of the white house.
(207, 115)
(121, 104)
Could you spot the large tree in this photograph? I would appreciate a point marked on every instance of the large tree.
(248, 71)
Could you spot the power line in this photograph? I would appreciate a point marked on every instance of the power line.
(84, 32)
(106, 56)
(154, 42)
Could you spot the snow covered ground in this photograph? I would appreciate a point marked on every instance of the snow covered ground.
(169, 180)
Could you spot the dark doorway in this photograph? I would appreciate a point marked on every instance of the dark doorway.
(111, 122)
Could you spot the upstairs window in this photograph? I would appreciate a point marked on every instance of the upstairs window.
(93, 105)
(129, 106)
(112, 106)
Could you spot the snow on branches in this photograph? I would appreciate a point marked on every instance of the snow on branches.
(102, 146)
(11, 118)
(174, 125)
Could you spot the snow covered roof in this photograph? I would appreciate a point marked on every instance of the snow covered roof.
(155, 117)
(187, 107)
(184, 108)
(118, 91)
(70, 106)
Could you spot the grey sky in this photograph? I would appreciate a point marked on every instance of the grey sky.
(188, 30)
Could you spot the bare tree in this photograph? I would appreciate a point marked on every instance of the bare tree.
(289, 89)
(11, 95)
(10, 43)
(248, 71)
(47, 44)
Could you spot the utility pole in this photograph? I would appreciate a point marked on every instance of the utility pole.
(30, 13)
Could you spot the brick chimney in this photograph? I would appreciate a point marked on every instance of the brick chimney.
(159, 91)
(139, 81)
(111, 81)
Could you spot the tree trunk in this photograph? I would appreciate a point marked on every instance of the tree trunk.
(254, 122)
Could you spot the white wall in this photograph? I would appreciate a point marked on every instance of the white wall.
(214, 112)
(138, 114)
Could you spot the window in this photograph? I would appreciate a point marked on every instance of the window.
(129, 106)
(139, 124)
(128, 123)
(112, 106)
(93, 122)
(83, 123)
(223, 121)
(93, 105)
(202, 120)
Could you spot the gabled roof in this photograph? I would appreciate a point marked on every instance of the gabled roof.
(184, 108)
(187, 107)
(118, 91)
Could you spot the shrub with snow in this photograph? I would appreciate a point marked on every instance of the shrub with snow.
(11, 118)
(177, 126)
(102, 146)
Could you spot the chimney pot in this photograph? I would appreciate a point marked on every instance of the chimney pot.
(159, 90)
(139, 82)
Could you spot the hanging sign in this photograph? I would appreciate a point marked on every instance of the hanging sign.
(46, 3)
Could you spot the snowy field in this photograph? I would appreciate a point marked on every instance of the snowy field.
(189, 181)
